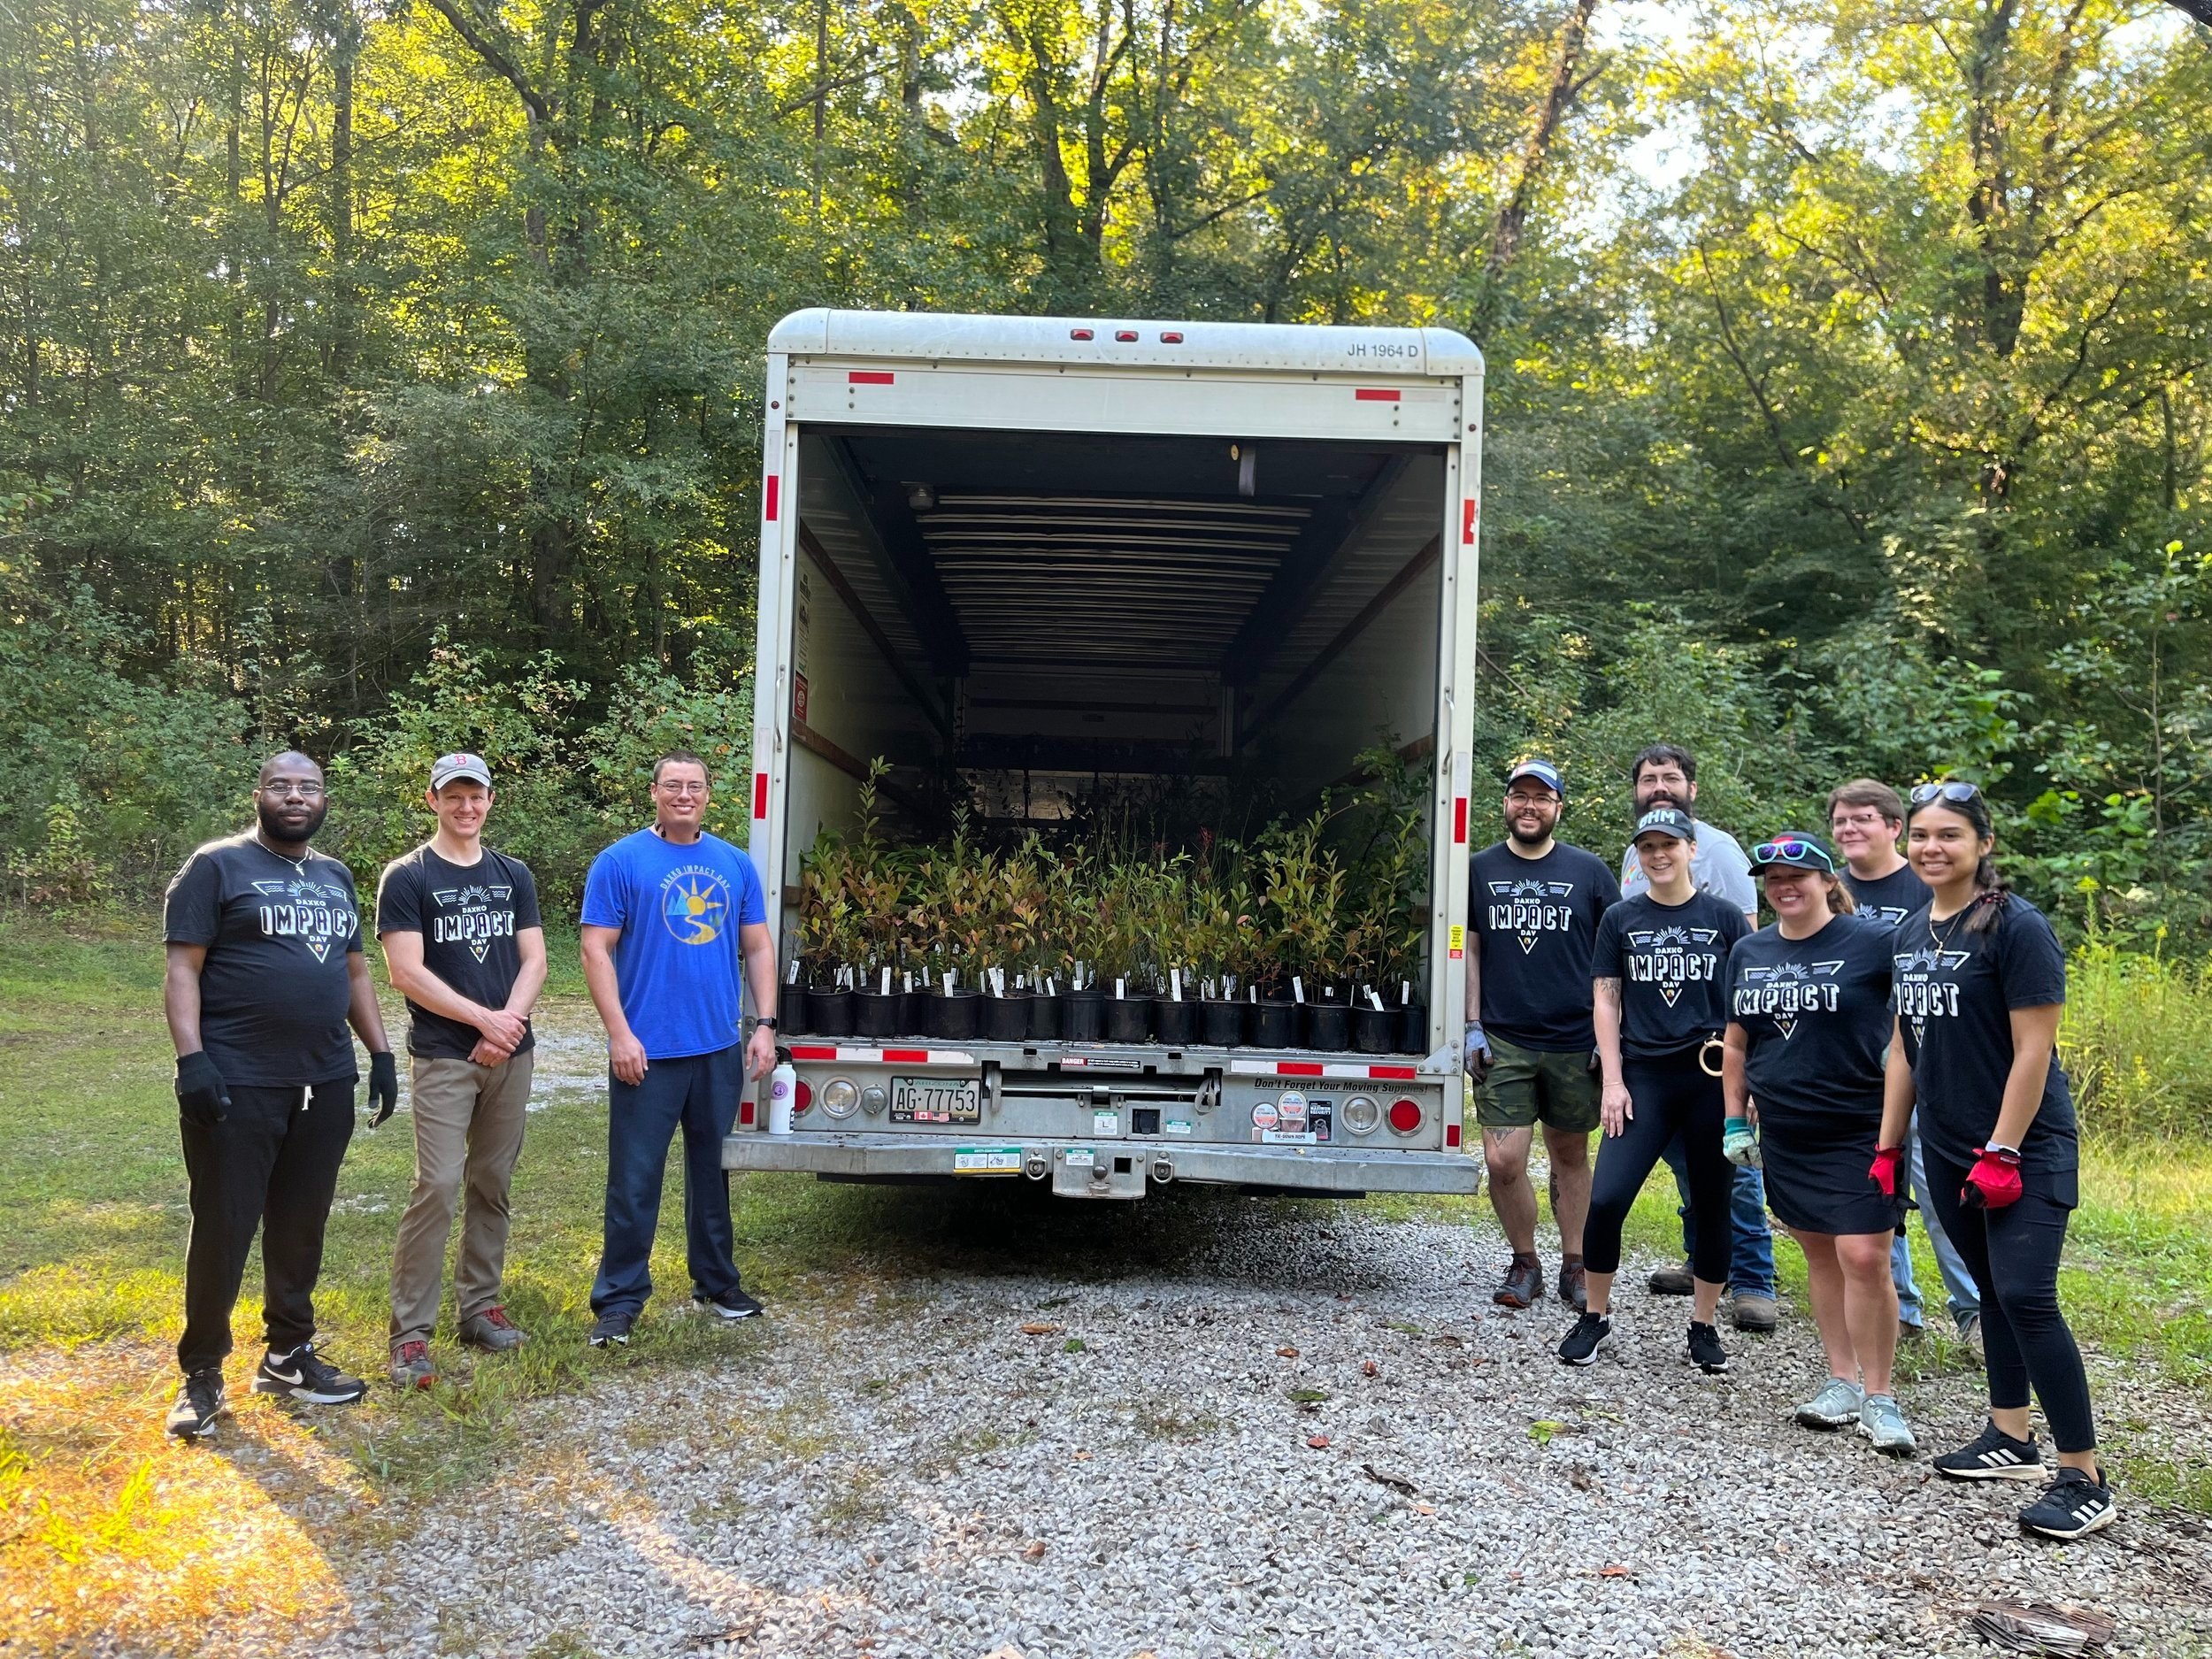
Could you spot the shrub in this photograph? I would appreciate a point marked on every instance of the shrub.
(2137, 1043)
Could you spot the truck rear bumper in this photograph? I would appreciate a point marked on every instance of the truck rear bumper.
(1312, 1168)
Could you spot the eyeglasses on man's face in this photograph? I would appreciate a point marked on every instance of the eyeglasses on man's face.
(282, 787)
(685, 785)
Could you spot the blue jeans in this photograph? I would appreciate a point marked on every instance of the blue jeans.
(1751, 1249)
(1966, 1299)
(698, 1093)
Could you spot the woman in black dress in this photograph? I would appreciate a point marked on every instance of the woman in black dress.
(1808, 1020)
(1981, 981)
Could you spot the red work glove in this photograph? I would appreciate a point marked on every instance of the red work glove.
(1887, 1160)
(1994, 1180)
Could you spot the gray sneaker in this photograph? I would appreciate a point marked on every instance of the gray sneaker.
(411, 1367)
(492, 1331)
(1835, 1407)
(1882, 1420)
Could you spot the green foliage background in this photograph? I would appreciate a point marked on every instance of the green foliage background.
(383, 378)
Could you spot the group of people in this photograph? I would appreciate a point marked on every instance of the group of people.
(1893, 1029)
(267, 973)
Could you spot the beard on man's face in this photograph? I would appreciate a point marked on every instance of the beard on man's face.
(1651, 794)
(279, 825)
(1545, 824)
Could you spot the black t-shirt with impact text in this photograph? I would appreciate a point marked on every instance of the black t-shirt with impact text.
(275, 986)
(1534, 921)
(468, 915)
(1956, 994)
(1671, 960)
(1816, 1011)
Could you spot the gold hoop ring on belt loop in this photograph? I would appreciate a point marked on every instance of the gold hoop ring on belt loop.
(1708, 1058)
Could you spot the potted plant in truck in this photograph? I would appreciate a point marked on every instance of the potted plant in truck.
(1123, 911)
(1221, 906)
(1077, 889)
(825, 935)
(876, 880)
(1391, 870)
(1168, 936)
(1049, 957)
(949, 903)
(1011, 910)
(1304, 894)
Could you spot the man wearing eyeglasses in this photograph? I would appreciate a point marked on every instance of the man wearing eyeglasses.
(264, 975)
(1866, 820)
(1534, 905)
(1665, 775)
(675, 925)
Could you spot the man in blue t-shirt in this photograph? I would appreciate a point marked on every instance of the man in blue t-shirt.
(668, 911)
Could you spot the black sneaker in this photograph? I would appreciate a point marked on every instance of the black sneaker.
(1706, 1353)
(731, 1304)
(612, 1328)
(1992, 1455)
(1580, 1346)
(303, 1376)
(2074, 1505)
(199, 1402)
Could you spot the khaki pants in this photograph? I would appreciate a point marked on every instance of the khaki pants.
(468, 1128)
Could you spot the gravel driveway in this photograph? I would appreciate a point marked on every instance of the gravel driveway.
(1235, 1427)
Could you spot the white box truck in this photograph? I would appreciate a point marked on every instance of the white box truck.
(1025, 549)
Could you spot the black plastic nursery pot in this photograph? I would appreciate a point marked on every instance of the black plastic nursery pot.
(1272, 1024)
(1083, 1015)
(1128, 1019)
(1006, 1018)
(792, 1010)
(1174, 1022)
(1328, 1027)
(1044, 1016)
(1220, 1023)
(829, 1013)
(913, 1013)
(1413, 1028)
(952, 1014)
(878, 1013)
(1374, 1030)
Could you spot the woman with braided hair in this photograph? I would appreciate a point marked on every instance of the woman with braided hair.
(1980, 981)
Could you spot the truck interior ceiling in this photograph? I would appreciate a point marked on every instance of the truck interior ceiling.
(1016, 622)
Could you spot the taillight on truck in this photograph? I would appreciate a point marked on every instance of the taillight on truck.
(1405, 1116)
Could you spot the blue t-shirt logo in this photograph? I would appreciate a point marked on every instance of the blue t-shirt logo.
(694, 901)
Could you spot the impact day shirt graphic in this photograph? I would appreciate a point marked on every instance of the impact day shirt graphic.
(275, 985)
(679, 908)
(1535, 921)
(1956, 994)
(1816, 1013)
(1671, 961)
(468, 915)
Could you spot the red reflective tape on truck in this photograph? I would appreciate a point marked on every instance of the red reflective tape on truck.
(814, 1054)
(906, 1057)
(869, 377)
(1459, 821)
(745, 1112)
(768, 495)
(1396, 1072)
(1376, 395)
(1470, 511)
(760, 794)
(1296, 1068)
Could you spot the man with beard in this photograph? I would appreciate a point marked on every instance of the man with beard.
(1531, 1038)
(265, 974)
(1665, 775)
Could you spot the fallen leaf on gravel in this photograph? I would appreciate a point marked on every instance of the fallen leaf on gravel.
(1367, 1368)
(1285, 1353)
(1424, 1509)
(1396, 1483)
(1616, 1572)
(1035, 1552)
(1319, 1442)
(1041, 1329)
(1082, 1457)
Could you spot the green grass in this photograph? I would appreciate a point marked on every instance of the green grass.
(93, 1188)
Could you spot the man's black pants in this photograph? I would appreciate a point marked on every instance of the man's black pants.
(272, 1164)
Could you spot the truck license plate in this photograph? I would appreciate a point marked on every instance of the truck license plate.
(936, 1100)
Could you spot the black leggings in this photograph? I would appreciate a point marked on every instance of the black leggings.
(2013, 1255)
(1668, 1096)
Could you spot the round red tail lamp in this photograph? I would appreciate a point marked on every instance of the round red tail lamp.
(1405, 1116)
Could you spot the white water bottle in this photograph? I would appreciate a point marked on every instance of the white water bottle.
(783, 1084)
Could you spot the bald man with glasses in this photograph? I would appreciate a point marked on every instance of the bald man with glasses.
(264, 975)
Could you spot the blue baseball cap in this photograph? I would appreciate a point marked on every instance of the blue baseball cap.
(1542, 771)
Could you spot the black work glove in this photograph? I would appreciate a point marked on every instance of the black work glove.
(201, 1094)
(383, 1087)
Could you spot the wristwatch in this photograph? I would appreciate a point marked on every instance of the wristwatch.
(767, 1022)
